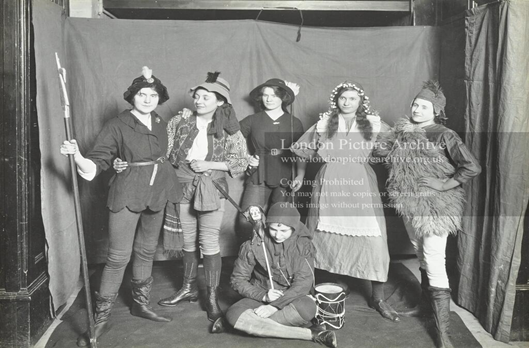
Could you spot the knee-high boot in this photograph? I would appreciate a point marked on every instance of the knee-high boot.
(189, 289)
(212, 268)
(440, 298)
(423, 308)
(141, 290)
(103, 306)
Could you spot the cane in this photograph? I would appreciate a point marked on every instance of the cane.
(77, 202)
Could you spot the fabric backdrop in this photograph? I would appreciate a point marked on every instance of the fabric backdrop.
(57, 204)
(497, 110)
(103, 56)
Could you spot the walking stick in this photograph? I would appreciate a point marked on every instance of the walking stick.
(77, 202)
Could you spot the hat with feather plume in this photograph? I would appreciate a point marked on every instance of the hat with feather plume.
(432, 92)
(214, 83)
(146, 80)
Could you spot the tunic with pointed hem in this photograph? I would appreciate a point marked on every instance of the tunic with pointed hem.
(128, 138)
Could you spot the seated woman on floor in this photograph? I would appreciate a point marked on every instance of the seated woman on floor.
(275, 273)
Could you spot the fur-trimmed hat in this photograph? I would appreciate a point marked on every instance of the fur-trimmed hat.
(274, 83)
(214, 83)
(432, 92)
(146, 80)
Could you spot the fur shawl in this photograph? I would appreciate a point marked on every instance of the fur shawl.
(409, 157)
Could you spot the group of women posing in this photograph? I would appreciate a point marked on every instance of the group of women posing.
(186, 160)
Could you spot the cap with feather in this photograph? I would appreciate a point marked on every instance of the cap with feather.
(214, 83)
(432, 92)
(147, 79)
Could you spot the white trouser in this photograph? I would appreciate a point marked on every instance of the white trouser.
(431, 252)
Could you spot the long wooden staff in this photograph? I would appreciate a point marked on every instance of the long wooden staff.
(77, 202)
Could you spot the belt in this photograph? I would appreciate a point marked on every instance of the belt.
(271, 152)
(154, 163)
(148, 163)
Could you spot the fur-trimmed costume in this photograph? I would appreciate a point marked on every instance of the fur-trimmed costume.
(434, 151)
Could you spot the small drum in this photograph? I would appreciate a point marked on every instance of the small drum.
(330, 298)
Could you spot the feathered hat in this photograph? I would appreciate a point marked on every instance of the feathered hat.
(147, 79)
(275, 82)
(432, 92)
(214, 83)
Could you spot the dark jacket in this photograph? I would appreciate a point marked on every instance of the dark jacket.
(292, 264)
(127, 138)
(467, 166)
(271, 140)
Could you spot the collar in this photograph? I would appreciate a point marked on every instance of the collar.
(128, 118)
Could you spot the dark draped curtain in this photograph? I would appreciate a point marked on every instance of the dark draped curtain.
(496, 85)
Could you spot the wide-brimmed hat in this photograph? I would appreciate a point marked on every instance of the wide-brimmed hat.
(147, 79)
(214, 83)
(274, 83)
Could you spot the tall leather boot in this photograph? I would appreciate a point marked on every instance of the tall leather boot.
(212, 267)
(440, 298)
(189, 289)
(423, 308)
(103, 306)
(141, 290)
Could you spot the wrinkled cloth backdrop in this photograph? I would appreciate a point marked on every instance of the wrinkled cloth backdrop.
(103, 56)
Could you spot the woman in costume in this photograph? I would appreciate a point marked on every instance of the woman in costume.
(275, 274)
(137, 197)
(427, 192)
(270, 132)
(346, 214)
(203, 148)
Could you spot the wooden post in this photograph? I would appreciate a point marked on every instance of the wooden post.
(24, 293)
